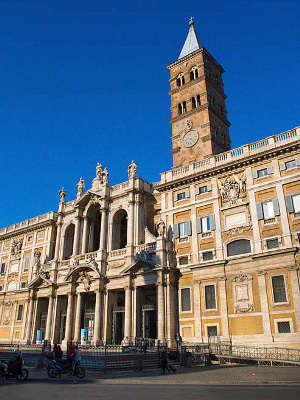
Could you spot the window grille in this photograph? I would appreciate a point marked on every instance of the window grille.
(185, 299)
(183, 260)
(272, 244)
(210, 297)
(207, 256)
(279, 292)
(238, 247)
(284, 327)
(212, 331)
(3, 268)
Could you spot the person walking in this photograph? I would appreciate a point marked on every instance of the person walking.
(178, 339)
(163, 360)
(143, 346)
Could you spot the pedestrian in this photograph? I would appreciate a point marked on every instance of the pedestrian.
(178, 339)
(57, 352)
(70, 354)
(143, 346)
(163, 360)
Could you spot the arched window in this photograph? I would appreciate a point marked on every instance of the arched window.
(198, 102)
(69, 241)
(119, 230)
(194, 73)
(237, 247)
(180, 80)
(179, 108)
(182, 108)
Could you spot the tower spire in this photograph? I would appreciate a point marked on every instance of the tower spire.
(192, 42)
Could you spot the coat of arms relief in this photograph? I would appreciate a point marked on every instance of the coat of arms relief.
(233, 189)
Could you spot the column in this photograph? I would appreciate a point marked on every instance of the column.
(69, 319)
(197, 305)
(58, 239)
(264, 303)
(255, 222)
(294, 280)
(286, 233)
(85, 235)
(171, 308)
(128, 313)
(103, 232)
(223, 308)
(97, 323)
(130, 228)
(160, 307)
(77, 336)
(30, 318)
(76, 236)
(49, 318)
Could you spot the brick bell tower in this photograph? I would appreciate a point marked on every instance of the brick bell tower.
(199, 117)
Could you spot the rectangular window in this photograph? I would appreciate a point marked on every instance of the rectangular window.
(181, 196)
(205, 224)
(20, 312)
(268, 210)
(29, 239)
(3, 269)
(296, 202)
(272, 244)
(1, 288)
(26, 262)
(262, 172)
(182, 229)
(290, 164)
(279, 292)
(203, 189)
(183, 260)
(284, 327)
(212, 331)
(210, 297)
(186, 299)
(23, 285)
(6, 245)
(207, 255)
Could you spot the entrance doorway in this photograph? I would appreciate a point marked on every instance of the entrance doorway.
(146, 312)
(89, 319)
(62, 326)
(118, 325)
(149, 322)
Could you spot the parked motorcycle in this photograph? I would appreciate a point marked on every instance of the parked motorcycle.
(14, 368)
(61, 366)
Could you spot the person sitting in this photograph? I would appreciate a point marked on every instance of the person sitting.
(70, 354)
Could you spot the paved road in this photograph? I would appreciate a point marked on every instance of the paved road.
(98, 390)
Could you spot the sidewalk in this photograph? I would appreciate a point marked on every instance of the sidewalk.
(213, 375)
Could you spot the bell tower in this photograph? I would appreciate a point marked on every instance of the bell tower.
(199, 117)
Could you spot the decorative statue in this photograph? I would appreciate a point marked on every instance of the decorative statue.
(13, 247)
(161, 228)
(105, 176)
(132, 170)
(232, 190)
(99, 170)
(81, 185)
(62, 195)
(189, 124)
(19, 245)
(37, 257)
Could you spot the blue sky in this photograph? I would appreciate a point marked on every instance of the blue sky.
(85, 81)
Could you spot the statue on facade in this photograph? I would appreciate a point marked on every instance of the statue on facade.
(105, 176)
(13, 247)
(161, 228)
(16, 247)
(37, 261)
(81, 185)
(99, 170)
(232, 190)
(62, 195)
(132, 170)
(19, 246)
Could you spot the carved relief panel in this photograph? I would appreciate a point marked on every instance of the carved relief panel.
(242, 293)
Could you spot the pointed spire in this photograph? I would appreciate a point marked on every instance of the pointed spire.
(192, 42)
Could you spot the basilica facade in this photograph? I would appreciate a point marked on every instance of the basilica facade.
(210, 251)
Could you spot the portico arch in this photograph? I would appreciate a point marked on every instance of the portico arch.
(119, 230)
(93, 214)
(68, 241)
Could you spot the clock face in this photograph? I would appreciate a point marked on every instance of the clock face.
(190, 139)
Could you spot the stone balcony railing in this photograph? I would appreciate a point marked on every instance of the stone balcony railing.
(248, 150)
(29, 222)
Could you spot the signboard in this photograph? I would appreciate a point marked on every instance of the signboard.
(84, 336)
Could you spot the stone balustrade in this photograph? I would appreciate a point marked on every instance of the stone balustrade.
(29, 222)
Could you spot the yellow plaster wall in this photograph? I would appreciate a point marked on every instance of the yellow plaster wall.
(246, 325)
(5, 332)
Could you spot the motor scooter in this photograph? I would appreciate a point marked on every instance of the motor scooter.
(14, 368)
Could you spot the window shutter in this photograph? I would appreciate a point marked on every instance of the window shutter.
(212, 221)
(176, 231)
(259, 211)
(298, 161)
(289, 204)
(276, 206)
(282, 166)
(197, 190)
(188, 228)
(187, 194)
(254, 174)
(270, 170)
(209, 187)
(175, 197)
(198, 225)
